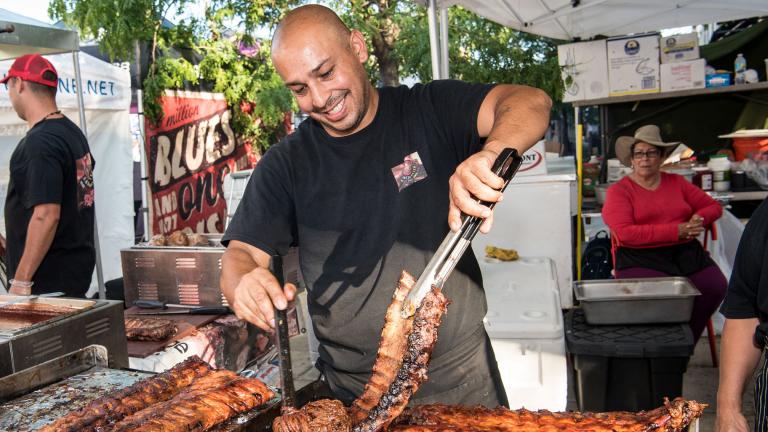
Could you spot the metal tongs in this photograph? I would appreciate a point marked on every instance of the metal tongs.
(282, 341)
(450, 251)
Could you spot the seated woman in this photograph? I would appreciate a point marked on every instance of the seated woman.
(655, 218)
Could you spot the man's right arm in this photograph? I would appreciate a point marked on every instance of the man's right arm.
(738, 360)
(251, 290)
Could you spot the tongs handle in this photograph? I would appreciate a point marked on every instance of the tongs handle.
(282, 339)
(505, 166)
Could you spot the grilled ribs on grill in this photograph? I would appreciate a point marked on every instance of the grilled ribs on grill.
(319, 416)
(674, 416)
(111, 408)
(208, 401)
(148, 329)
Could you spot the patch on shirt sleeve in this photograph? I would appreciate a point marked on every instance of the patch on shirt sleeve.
(409, 172)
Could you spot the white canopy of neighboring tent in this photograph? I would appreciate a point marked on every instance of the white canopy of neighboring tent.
(107, 100)
(22, 35)
(584, 19)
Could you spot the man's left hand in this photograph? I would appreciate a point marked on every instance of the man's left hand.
(474, 179)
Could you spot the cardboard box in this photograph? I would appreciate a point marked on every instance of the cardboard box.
(679, 48)
(584, 68)
(683, 75)
(534, 161)
(633, 65)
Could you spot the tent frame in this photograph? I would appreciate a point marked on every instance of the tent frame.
(19, 37)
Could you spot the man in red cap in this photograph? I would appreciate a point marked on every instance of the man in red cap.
(49, 212)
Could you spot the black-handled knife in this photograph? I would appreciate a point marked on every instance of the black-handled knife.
(282, 340)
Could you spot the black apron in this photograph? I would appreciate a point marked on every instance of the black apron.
(761, 395)
(676, 260)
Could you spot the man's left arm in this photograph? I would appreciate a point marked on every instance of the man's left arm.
(40, 232)
(510, 116)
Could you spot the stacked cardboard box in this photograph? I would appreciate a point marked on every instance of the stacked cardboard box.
(681, 67)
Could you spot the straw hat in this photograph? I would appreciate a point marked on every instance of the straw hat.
(648, 134)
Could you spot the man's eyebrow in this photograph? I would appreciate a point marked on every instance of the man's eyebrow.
(313, 72)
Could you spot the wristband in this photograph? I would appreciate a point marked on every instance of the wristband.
(22, 284)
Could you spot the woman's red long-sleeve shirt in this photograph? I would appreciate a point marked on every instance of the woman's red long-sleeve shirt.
(641, 218)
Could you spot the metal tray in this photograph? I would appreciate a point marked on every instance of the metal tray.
(636, 301)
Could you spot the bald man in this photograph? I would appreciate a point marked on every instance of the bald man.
(365, 187)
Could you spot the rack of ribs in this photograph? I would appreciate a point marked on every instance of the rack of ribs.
(413, 371)
(674, 416)
(148, 329)
(208, 401)
(392, 345)
(113, 407)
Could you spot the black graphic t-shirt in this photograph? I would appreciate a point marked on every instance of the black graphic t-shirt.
(53, 165)
(362, 208)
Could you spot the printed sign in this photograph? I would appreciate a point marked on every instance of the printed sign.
(189, 153)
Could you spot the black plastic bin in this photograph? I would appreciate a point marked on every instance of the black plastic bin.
(626, 368)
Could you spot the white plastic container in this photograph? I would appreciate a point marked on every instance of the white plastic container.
(525, 324)
(721, 173)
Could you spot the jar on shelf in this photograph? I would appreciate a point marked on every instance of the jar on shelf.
(721, 173)
(702, 177)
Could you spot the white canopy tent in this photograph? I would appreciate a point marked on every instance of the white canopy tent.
(102, 106)
(568, 20)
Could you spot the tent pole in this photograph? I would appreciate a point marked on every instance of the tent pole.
(444, 43)
(142, 155)
(579, 200)
(81, 110)
(434, 38)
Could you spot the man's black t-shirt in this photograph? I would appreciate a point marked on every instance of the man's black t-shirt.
(53, 165)
(747, 295)
(362, 208)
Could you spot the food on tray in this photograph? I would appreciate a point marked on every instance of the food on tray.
(113, 407)
(158, 240)
(189, 396)
(185, 237)
(148, 329)
(672, 417)
(35, 308)
(207, 402)
(501, 254)
(177, 238)
(319, 416)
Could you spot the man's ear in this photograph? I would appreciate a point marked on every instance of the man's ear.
(359, 48)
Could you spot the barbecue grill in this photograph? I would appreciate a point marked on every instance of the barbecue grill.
(37, 396)
(85, 322)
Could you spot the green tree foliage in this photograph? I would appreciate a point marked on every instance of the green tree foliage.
(481, 50)
(252, 88)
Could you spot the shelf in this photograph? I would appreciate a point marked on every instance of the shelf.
(675, 94)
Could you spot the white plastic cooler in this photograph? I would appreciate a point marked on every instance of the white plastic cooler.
(525, 324)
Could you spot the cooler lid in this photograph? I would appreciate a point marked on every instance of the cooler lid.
(523, 300)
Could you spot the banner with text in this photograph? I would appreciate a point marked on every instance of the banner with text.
(189, 153)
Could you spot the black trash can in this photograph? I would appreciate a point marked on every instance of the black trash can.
(626, 368)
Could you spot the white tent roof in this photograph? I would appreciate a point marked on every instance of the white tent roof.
(569, 19)
(21, 35)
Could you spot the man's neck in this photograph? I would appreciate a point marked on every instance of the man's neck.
(40, 112)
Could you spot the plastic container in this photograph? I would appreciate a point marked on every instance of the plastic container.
(739, 68)
(702, 177)
(721, 173)
(525, 325)
(746, 147)
(626, 368)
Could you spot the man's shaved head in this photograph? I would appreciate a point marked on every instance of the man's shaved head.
(322, 62)
(311, 18)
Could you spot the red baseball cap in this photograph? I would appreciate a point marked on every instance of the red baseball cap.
(32, 67)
